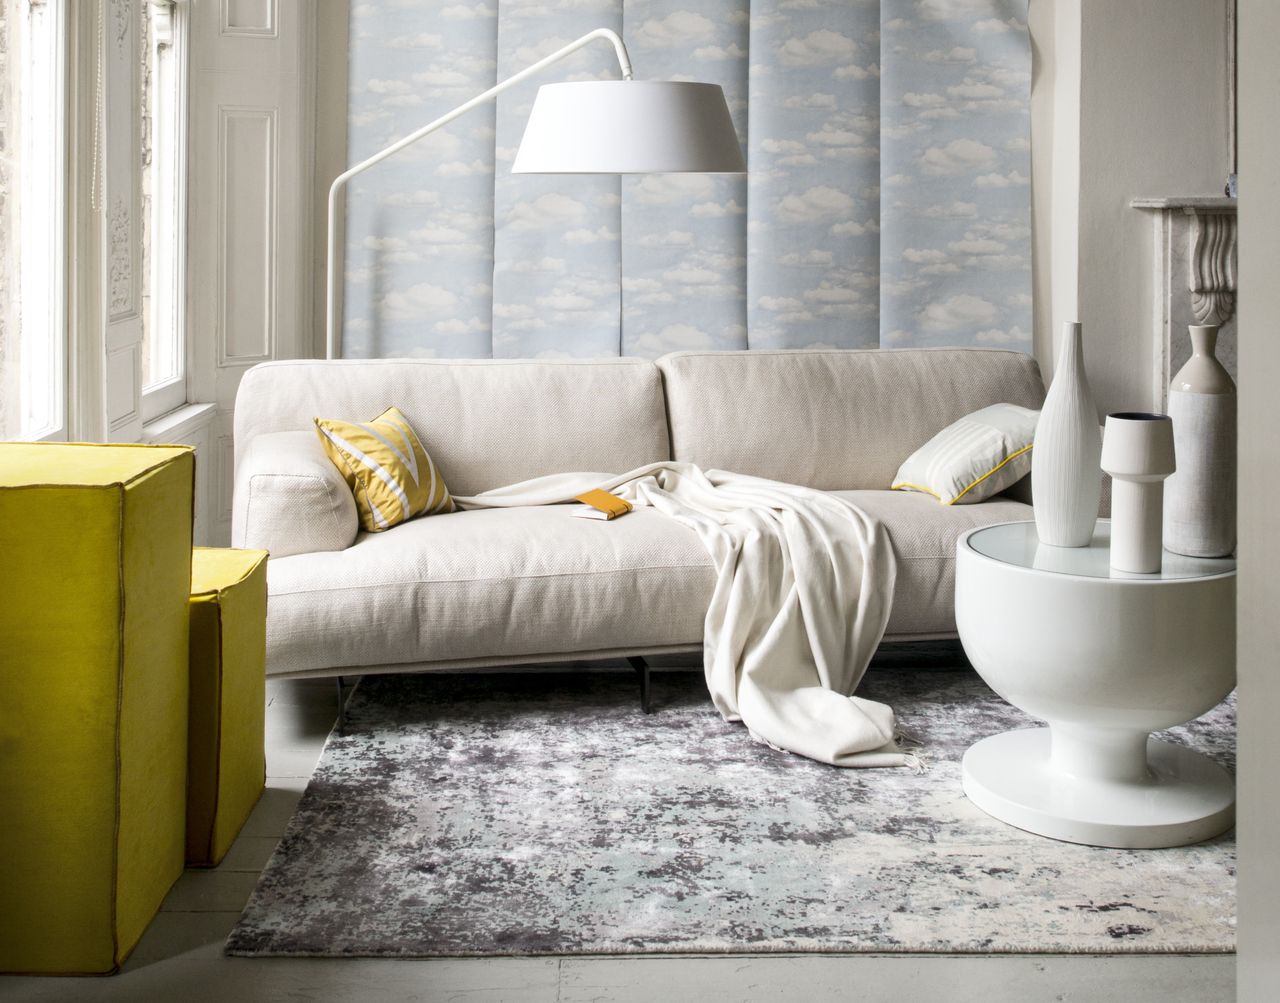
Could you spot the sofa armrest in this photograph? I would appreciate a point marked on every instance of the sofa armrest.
(290, 498)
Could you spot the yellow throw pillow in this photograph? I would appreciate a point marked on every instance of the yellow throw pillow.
(388, 471)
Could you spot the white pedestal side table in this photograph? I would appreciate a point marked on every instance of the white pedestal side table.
(1105, 657)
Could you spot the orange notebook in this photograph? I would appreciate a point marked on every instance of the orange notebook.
(598, 504)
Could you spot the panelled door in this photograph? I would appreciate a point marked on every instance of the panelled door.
(251, 165)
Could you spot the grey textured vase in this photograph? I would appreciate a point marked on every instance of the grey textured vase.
(1200, 498)
(1066, 472)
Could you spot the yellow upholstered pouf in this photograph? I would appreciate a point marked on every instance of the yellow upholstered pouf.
(227, 764)
(95, 545)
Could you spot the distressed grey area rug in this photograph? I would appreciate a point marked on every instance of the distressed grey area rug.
(544, 814)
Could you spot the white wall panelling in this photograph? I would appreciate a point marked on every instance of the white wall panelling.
(165, 387)
(123, 366)
(86, 357)
(332, 37)
(199, 438)
(226, 470)
(121, 207)
(249, 17)
(193, 425)
(247, 235)
(251, 155)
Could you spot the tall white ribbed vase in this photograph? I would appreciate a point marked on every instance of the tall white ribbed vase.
(1066, 471)
(1200, 498)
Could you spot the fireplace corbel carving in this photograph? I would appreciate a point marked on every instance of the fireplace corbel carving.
(1193, 281)
(1212, 264)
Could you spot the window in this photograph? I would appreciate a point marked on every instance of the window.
(164, 342)
(33, 336)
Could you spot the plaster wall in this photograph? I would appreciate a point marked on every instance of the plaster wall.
(1259, 595)
(1128, 99)
(332, 41)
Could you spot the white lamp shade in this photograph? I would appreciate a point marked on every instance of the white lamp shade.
(629, 127)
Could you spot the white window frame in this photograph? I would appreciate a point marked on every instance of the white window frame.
(44, 240)
(167, 222)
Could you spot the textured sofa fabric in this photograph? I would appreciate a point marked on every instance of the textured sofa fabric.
(924, 533)
(523, 582)
(509, 585)
(485, 422)
(490, 583)
(280, 476)
(831, 419)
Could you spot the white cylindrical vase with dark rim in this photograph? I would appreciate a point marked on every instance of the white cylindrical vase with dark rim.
(1200, 499)
(1066, 480)
(1137, 451)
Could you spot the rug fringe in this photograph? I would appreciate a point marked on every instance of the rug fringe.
(917, 762)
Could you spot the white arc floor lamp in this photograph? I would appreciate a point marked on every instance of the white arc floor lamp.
(589, 127)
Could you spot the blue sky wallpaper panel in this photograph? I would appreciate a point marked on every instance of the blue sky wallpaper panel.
(955, 174)
(887, 200)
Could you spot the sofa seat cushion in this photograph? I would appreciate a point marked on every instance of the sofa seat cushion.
(493, 583)
(924, 535)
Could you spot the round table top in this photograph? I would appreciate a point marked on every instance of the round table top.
(1016, 543)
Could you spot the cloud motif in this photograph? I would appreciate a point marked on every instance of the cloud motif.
(421, 300)
(817, 203)
(948, 10)
(671, 189)
(957, 157)
(1015, 337)
(1014, 177)
(887, 204)
(818, 48)
(963, 310)
(684, 236)
(678, 28)
(469, 12)
(955, 153)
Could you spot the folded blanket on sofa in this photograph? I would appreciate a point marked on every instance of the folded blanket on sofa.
(804, 583)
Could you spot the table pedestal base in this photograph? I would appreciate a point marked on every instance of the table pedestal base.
(1186, 798)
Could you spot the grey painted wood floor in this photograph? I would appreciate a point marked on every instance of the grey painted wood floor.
(180, 956)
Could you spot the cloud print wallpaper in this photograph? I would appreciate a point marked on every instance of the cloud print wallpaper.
(887, 201)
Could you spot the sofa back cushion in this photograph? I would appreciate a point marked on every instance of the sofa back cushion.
(829, 419)
(486, 422)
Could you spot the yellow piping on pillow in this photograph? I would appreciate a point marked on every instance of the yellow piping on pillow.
(916, 487)
(1011, 456)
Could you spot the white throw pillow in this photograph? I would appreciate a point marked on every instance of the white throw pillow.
(977, 457)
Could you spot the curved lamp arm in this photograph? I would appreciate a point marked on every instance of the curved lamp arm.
(331, 288)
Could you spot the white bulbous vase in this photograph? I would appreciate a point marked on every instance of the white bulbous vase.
(1066, 471)
(1200, 499)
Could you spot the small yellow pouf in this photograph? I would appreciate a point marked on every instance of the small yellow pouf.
(226, 762)
(95, 547)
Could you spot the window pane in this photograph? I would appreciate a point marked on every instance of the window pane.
(32, 331)
(163, 324)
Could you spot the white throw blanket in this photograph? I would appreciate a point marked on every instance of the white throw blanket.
(804, 583)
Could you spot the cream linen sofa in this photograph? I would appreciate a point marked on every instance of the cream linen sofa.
(525, 585)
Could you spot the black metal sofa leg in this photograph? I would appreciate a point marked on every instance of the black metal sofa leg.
(642, 669)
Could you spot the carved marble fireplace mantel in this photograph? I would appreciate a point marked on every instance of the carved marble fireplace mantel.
(1193, 280)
